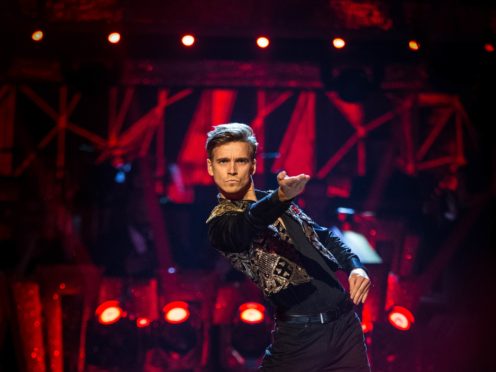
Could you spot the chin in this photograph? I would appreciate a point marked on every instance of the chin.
(232, 194)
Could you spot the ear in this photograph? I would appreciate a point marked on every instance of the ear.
(254, 167)
(209, 168)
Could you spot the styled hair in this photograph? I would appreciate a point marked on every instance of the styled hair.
(231, 132)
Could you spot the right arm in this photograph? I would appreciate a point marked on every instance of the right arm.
(234, 231)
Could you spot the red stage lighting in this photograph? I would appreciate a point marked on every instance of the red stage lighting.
(109, 312)
(37, 35)
(188, 40)
(367, 327)
(338, 43)
(489, 47)
(176, 312)
(263, 42)
(401, 318)
(114, 37)
(252, 313)
(142, 322)
(414, 45)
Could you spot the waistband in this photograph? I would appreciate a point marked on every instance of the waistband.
(321, 318)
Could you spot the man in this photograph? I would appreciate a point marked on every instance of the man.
(289, 257)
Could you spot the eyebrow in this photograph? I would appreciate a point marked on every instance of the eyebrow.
(236, 159)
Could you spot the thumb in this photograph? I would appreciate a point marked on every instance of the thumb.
(281, 175)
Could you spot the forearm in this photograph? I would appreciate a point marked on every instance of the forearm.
(234, 232)
(346, 258)
(343, 254)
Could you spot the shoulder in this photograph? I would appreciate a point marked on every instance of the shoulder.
(227, 206)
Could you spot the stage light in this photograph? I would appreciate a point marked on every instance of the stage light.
(188, 40)
(414, 45)
(250, 332)
(252, 313)
(367, 327)
(244, 326)
(142, 322)
(109, 312)
(176, 312)
(263, 42)
(489, 47)
(338, 43)
(114, 37)
(37, 35)
(182, 334)
(401, 318)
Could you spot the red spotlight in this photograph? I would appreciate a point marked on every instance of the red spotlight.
(414, 45)
(401, 318)
(188, 40)
(252, 313)
(176, 312)
(114, 37)
(263, 42)
(338, 43)
(142, 322)
(109, 312)
(489, 47)
(37, 35)
(367, 327)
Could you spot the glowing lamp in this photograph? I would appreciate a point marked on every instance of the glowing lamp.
(109, 312)
(367, 327)
(142, 322)
(37, 35)
(252, 313)
(263, 42)
(188, 40)
(401, 318)
(114, 37)
(338, 43)
(488, 47)
(414, 45)
(176, 312)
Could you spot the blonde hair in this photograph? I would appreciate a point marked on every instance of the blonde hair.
(231, 132)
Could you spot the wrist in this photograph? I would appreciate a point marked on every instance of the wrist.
(281, 195)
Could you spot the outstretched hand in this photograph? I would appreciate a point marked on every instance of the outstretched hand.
(290, 187)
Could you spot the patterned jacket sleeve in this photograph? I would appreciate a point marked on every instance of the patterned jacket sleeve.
(233, 230)
(346, 258)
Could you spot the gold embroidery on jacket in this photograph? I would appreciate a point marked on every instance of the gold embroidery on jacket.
(271, 261)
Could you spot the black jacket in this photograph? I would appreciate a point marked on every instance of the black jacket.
(254, 240)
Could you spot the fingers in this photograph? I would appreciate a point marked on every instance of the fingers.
(291, 186)
(359, 288)
(365, 296)
(281, 176)
(294, 181)
(353, 286)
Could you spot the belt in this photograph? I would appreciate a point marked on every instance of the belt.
(321, 318)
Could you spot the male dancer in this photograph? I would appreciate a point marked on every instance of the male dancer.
(289, 257)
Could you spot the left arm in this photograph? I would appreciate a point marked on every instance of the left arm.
(358, 279)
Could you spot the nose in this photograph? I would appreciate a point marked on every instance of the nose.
(232, 168)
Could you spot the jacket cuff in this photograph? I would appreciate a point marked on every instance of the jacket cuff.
(355, 263)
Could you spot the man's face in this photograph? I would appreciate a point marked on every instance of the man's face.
(231, 167)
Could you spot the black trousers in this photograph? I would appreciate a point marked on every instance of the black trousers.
(336, 346)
